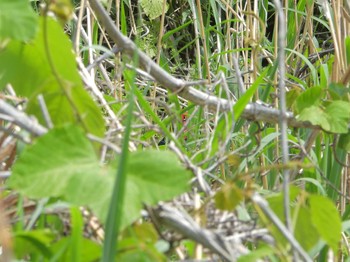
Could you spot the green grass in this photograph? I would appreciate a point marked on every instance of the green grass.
(201, 41)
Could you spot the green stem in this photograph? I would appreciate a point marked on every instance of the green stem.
(115, 211)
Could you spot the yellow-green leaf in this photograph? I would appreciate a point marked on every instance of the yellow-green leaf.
(228, 197)
(153, 8)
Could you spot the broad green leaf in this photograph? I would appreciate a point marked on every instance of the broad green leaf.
(338, 113)
(228, 197)
(63, 164)
(157, 174)
(153, 8)
(27, 68)
(17, 20)
(315, 115)
(334, 118)
(326, 220)
(304, 231)
(310, 98)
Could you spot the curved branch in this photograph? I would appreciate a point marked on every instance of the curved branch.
(253, 111)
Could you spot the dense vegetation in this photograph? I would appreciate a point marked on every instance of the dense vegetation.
(213, 130)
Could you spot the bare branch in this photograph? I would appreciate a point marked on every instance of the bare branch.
(252, 111)
(21, 119)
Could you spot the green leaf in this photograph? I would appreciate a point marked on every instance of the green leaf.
(310, 98)
(146, 232)
(334, 118)
(132, 249)
(17, 20)
(27, 68)
(34, 241)
(228, 197)
(276, 201)
(315, 115)
(304, 231)
(63, 163)
(291, 97)
(257, 254)
(138, 238)
(61, 251)
(338, 113)
(157, 174)
(326, 219)
(153, 8)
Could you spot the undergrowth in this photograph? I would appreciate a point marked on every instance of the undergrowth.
(233, 144)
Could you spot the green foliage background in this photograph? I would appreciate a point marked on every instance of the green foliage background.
(196, 40)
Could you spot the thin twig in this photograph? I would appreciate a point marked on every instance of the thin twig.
(21, 119)
(283, 109)
(238, 72)
(105, 142)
